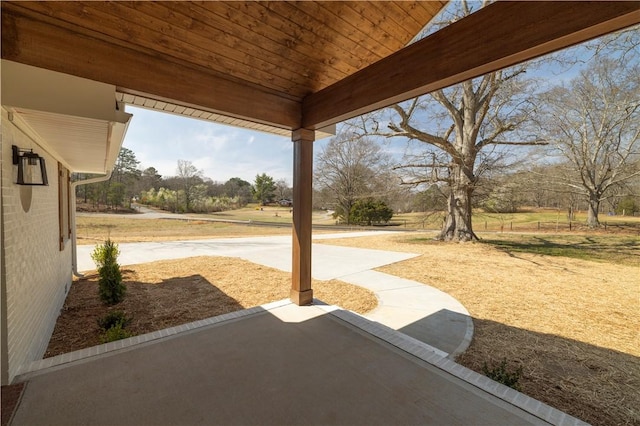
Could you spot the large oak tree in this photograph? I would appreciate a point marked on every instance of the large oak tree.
(457, 134)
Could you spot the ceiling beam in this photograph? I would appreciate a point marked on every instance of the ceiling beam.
(42, 42)
(500, 35)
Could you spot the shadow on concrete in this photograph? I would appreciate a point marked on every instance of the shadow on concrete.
(289, 366)
(446, 330)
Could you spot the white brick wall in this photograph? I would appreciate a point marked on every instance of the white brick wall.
(37, 274)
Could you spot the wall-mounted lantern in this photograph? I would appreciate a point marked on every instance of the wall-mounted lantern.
(31, 167)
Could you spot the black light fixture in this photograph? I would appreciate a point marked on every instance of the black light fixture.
(31, 167)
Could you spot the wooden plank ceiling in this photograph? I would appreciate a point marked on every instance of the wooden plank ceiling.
(283, 51)
(290, 64)
(289, 48)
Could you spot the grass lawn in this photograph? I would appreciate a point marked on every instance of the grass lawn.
(534, 220)
(565, 307)
(276, 214)
(620, 249)
(94, 230)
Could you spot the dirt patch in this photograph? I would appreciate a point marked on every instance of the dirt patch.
(168, 293)
(571, 324)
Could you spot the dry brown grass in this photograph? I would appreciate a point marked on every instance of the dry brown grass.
(93, 230)
(96, 229)
(572, 324)
(168, 293)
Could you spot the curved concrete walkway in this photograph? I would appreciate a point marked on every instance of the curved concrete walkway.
(417, 310)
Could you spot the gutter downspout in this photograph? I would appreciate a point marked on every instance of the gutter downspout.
(74, 251)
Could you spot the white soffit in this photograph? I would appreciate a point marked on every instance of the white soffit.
(81, 143)
(200, 114)
(76, 120)
(39, 89)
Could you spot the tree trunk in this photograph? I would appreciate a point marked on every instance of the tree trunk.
(592, 212)
(346, 205)
(457, 226)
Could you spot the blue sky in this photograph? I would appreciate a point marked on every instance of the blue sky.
(159, 140)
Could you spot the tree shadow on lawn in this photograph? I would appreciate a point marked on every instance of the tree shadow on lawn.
(150, 306)
(618, 250)
(595, 384)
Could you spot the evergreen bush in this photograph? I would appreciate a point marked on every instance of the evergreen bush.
(369, 211)
(117, 332)
(111, 287)
(112, 319)
(628, 206)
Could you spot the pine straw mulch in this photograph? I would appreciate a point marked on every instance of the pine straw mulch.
(573, 325)
(168, 293)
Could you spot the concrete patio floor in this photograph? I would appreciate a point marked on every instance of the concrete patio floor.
(276, 364)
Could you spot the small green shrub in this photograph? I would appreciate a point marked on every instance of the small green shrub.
(113, 325)
(117, 332)
(105, 253)
(113, 319)
(501, 374)
(111, 287)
